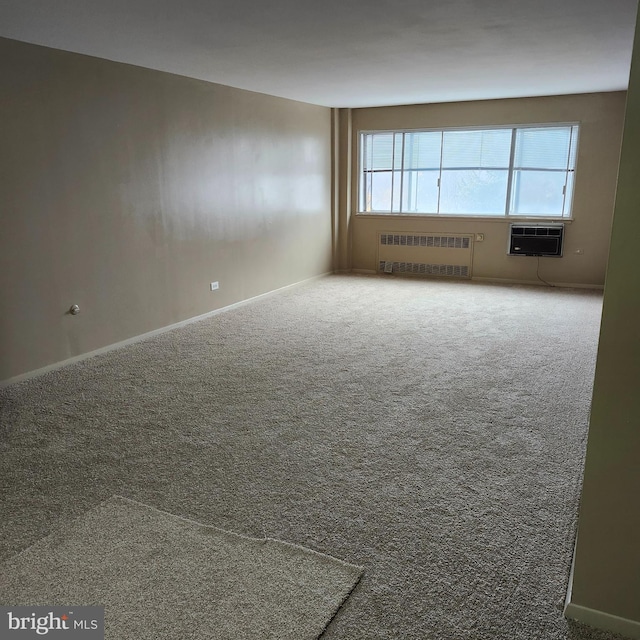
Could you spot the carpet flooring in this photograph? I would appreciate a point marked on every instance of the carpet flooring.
(160, 577)
(430, 431)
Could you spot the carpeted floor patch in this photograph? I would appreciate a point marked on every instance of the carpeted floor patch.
(162, 576)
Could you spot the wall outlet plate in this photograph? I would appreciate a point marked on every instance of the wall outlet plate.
(214, 286)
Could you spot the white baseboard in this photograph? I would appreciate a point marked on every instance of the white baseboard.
(124, 343)
(595, 618)
(602, 620)
(563, 285)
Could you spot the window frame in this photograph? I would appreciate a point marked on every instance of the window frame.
(573, 151)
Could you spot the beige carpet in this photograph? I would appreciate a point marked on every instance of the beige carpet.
(161, 576)
(431, 431)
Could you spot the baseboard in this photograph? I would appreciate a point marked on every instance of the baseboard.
(567, 599)
(563, 285)
(595, 618)
(602, 620)
(150, 334)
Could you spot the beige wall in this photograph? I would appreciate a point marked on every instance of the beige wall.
(607, 560)
(127, 191)
(600, 116)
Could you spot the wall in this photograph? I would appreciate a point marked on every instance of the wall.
(600, 116)
(606, 583)
(127, 191)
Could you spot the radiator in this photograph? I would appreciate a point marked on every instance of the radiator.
(428, 254)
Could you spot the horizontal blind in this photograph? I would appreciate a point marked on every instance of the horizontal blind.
(379, 152)
(476, 149)
(422, 150)
(545, 148)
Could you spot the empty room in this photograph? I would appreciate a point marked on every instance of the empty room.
(320, 320)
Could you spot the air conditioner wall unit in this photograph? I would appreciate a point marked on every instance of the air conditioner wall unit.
(536, 240)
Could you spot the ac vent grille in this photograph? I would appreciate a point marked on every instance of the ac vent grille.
(410, 240)
(451, 270)
(517, 230)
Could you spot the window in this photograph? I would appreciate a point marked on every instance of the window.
(521, 171)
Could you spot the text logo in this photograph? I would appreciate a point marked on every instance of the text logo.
(71, 623)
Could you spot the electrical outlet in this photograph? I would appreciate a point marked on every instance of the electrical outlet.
(214, 286)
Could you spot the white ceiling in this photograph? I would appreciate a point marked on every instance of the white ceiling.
(350, 53)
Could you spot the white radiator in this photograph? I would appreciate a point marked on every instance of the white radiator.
(431, 254)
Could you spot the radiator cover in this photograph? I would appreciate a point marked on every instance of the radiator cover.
(427, 254)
